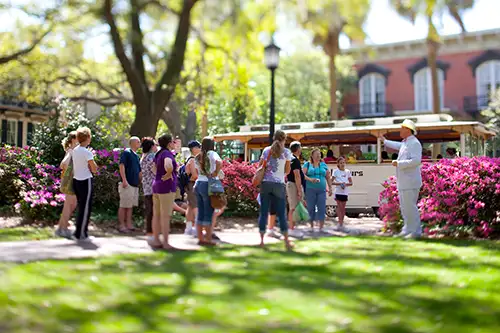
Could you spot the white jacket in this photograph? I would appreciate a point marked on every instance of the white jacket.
(408, 172)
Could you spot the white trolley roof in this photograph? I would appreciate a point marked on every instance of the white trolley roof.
(431, 128)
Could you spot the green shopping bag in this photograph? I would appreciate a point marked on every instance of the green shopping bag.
(300, 214)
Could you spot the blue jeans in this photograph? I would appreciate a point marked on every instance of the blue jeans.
(273, 194)
(205, 210)
(316, 204)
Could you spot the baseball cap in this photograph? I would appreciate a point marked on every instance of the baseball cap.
(193, 144)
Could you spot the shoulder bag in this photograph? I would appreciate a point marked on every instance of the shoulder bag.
(66, 184)
(259, 174)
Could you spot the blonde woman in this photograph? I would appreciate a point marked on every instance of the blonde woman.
(84, 167)
(272, 189)
(69, 143)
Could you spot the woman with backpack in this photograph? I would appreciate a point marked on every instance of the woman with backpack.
(208, 164)
(276, 159)
(69, 143)
(187, 179)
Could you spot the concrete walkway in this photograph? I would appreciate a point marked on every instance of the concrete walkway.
(26, 251)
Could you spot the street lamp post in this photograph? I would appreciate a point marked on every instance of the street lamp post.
(271, 59)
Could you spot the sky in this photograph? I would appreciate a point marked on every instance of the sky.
(383, 26)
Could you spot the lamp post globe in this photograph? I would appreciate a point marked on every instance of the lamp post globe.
(272, 59)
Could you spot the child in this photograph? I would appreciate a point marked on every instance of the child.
(342, 178)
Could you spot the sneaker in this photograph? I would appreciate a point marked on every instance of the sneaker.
(87, 239)
(83, 240)
(272, 233)
(60, 233)
(402, 234)
(412, 236)
(296, 233)
(341, 228)
(189, 229)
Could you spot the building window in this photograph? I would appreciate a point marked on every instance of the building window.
(31, 132)
(487, 81)
(11, 138)
(423, 89)
(372, 94)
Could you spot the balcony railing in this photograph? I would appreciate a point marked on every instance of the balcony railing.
(475, 104)
(354, 111)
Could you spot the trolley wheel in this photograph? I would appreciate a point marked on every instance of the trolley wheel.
(331, 211)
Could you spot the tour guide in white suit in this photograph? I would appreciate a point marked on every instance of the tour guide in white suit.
(409, 178)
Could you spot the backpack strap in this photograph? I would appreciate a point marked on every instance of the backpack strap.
(308, 166)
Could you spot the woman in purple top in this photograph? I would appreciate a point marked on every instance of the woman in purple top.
(164, 189)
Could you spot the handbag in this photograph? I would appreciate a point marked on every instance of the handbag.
(67, 179)
(215, 186)
(259, 174)
(218, 201)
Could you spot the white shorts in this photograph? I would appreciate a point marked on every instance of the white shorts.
(129, 196)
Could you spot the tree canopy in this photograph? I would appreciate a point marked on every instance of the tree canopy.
(192, 67)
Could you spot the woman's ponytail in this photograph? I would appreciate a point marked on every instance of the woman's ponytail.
(277, 147)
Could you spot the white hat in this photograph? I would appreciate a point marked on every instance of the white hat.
(410, 125)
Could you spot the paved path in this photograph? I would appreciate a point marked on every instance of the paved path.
(26, 251)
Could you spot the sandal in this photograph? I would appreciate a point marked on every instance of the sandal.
(168, 248)
(203, 243)
(123, 231)
(156, 246)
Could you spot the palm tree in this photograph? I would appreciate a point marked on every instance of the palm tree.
(328, 20)
(429, 8)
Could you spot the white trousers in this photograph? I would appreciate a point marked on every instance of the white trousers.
(408, 202)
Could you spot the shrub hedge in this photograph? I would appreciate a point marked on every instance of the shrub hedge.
(459, 198)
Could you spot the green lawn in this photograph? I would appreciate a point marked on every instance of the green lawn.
(360, 285)
(25, 233)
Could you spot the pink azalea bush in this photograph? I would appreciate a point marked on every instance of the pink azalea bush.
(241, 195)
(33, 188)
(459, 197)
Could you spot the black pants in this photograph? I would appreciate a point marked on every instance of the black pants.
(83, 190)
(148, 203)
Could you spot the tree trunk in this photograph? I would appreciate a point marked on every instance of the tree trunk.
(432, 48)
(332, 49)
(151, 104)
(145, 122)
(189, 132)
(204, 123)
